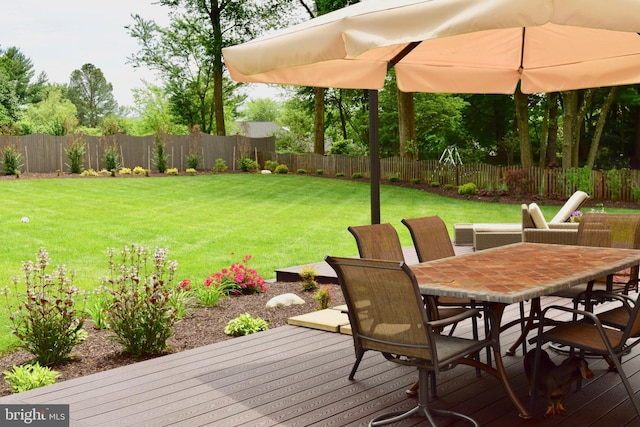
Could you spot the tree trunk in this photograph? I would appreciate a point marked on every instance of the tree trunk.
(407, 125)
(570, 113)
(552, 140)
(522, 119)
(604, 111)
(318, 124)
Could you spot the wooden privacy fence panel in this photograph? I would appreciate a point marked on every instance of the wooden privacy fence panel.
(46, 153)
(547, 182)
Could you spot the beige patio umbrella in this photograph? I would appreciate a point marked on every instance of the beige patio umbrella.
(451, 46)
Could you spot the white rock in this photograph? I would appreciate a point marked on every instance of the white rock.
(24, 219)
(284, 300)
(265, 172)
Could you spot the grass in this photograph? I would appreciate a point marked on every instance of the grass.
(206, 222)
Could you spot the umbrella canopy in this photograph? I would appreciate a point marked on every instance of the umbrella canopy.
(453, 46)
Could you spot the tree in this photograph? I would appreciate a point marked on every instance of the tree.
(54, 115)
(153, 108)
(262, 110)
(91, 94)
(188, 53)
(18, 88)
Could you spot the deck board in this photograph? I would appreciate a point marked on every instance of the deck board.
(296, 376)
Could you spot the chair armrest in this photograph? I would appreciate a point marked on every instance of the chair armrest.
(441, 323)
(627, 302)
(564, 225)
(552, 236)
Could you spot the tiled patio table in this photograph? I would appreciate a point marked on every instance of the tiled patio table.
(518, 272)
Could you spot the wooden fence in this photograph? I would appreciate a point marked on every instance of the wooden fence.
(46, 153)
(601, 185)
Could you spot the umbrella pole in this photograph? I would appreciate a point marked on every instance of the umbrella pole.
(374, 156)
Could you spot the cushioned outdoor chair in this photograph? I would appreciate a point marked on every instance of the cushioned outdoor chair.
(387, 315)
(589, 335)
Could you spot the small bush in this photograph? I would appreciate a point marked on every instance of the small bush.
(271, 165)
(29, 377)
(124, 171)
(172, 171)
(247, 164)
(139, 170)
(301, 171)
(282, 169)
(46, 320)
(518, 181)
(434, 184)
(160, 158)
(193, 160)
(220, 166)
(356, 175)
(191, 171)
(89, 172)
(111, 158)
(319, 171)
(449, 187)
(140, 312)
(415, 180)
(75, 155)
(308, 276)
(468, 189)
(393, 177)
(97, 309)
(339, 174)
(245, 325)
(323, 297)
(11, 161)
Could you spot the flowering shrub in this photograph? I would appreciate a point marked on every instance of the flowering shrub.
(140, 311)
(575, 216)
(237, 279)
(46, 321)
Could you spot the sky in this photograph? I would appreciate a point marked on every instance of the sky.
(60, 36)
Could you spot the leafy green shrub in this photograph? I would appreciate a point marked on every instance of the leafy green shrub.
(301, 171)
(271, 165)
(172, 171)
(308, 275)
(238, 279)
(160, 158)
(339, 174)
(247, 164)
(139, 309)
(193, 160)
(434, 184)
(393, 177)
(449, 187)
(356, 175)
(111, 158)
(11, 161)
(180, 297)
(28, 377)
(636, 193)
(245, 325)
(282, 169)
(75, 155)
(319, 171)
(468, 189)
(220, 166)
(614, 183)
(415, 180)
(210, 294)
(46, 321)
(97, 309)
(580, 178)
(323, 297)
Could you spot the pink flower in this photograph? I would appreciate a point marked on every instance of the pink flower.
(185, 285)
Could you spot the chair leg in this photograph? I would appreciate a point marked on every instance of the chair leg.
(627, 385)
(422, 408)
(355, 365)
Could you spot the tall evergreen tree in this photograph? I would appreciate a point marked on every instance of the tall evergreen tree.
(91, 94)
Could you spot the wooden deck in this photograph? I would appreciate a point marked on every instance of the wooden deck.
(295, 376)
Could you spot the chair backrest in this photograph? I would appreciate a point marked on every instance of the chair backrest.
(384, 305)
(378, 241)
(574, 203)
(430, 238)
(527, 222)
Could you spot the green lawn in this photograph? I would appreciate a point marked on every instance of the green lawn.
(206, 222)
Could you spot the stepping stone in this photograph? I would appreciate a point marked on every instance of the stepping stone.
(326, 320)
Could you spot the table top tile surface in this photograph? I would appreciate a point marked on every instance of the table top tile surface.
(519, 272)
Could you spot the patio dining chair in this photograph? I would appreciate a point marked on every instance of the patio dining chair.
(387, 315)
(592, 335)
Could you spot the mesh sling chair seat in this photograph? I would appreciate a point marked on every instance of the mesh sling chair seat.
(387, 315)
(381, 241)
